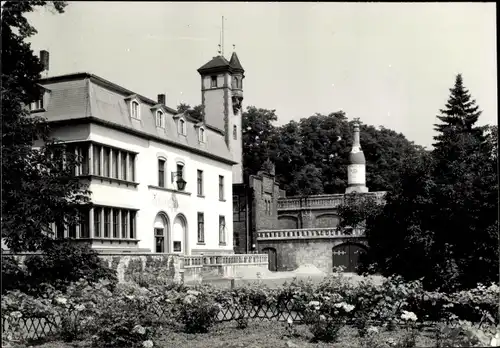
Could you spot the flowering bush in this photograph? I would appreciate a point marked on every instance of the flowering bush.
(198, 311)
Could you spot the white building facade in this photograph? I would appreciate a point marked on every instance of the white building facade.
(160, 181)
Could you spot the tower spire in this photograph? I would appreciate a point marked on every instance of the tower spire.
(222, 37)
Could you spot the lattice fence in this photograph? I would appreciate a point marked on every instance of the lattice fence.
(38, 328)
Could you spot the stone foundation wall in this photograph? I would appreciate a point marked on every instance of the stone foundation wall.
(291, 254)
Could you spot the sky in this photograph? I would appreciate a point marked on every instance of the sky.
(389, 64)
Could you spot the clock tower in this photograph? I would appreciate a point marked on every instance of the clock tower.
(356, 175)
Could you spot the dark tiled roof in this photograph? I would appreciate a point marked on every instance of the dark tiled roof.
(215, 63)
(84, 96)
(235, 63)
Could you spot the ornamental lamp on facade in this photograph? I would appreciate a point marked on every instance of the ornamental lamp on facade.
(181, 183)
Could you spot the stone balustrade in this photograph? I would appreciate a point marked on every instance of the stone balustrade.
(307, 233)
(319, 201)
(222, 260)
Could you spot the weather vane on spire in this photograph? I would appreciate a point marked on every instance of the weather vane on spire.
(234, 47)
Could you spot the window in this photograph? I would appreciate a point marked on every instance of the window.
(221, 188)
(123, 175)
(177, 246)
(201, 228)
(105, 171)
(97, 160)
(201, 135)
(97, 222)
(237, 215)
(182, 127)
(200, 182)
(115, 223)
(83, 153)
(60, 231)
(159, 119)
(132, 224)
(135, 110)
(115, 169)
(222, 230)
(131, 166)
(36, 105)
(107, 223)
(235, 132)
(124, 224)
(236, 240)
(159, 240)
(161, 173)
(213, 82)
(84, 225)
(72, 231)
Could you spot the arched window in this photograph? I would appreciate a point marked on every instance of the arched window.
(201, 135)
(235, 132)
(135, 110)
(160, 119)
(160, 231)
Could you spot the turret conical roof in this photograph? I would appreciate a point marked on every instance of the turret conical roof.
(234, 62)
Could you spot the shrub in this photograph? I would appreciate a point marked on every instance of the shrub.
(64, 262)
(13, 275)
(198, 312)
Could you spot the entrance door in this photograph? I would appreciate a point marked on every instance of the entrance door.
(272, 257)
(347, 255)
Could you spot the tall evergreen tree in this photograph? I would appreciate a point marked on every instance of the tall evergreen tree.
(38, 185)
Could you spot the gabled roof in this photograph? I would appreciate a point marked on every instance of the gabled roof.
(235, 63)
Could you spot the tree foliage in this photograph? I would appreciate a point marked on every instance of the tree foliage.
(38, 186)
(322, 142)
(196, 112)
(440, 220)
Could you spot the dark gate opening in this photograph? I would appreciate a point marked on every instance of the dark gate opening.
(347, 255)
(272, 258)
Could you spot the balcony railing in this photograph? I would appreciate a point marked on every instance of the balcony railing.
(222, 260)
(307, 233)
(318, 201)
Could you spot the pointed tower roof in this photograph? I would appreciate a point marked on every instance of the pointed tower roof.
(235, 63)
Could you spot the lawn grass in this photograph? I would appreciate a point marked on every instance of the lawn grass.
(258, 334)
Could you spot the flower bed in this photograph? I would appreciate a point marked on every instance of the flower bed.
(134, 316)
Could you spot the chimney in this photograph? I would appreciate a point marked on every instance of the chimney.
(162, 99)
(44, 59)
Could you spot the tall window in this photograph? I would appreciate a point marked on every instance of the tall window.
(222, 230)
(72, 231)
(201, 228)
(135, 109)
(159, 119)
(132, 224)
(200, 182)
(115, 223)
(105, 171)
(182, 127)
(124, 224)
(221, 188)
(107, 222)
(201, 135)
(131, 162)
(97, 222)
(84, 225)
(161, 173)
(115, 168)
(97, 160)
(159, 240)
(235, 132)
(213, 81)
(123, 156)
(60, 231)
